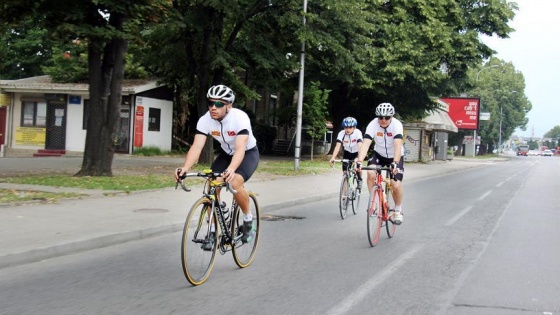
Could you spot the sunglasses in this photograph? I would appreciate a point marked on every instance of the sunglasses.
(218, 104)
(383, 117)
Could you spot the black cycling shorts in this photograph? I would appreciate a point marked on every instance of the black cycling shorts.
(377, 159)
(247, 167)
(348, 156)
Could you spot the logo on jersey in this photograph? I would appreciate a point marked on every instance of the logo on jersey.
(231, 133)
(216, 133)
(354, 140)
(390, 134)
(345, 141)
(380, 134)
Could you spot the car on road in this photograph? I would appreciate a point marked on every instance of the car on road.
(547, 153)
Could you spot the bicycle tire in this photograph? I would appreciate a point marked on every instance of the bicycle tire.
(198, 262)
(343, 197)
(244, 253)
(389, 224)
(374, 217)
(355, 195)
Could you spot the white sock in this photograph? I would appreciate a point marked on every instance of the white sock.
(398, 208)
(248, 217)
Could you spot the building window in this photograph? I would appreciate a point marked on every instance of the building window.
(154, 119)
(85, 117)
(34, 114)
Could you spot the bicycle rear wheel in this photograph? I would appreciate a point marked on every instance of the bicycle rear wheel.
(197, 256)
(374, 217)
(389, 224)
(356, 195)
(344, 199)
(244, 253)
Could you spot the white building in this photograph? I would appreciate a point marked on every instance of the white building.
(39, 117)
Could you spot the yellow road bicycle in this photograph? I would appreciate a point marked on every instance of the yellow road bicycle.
(211, 227)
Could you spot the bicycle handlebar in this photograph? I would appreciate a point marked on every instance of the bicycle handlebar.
(208, 176)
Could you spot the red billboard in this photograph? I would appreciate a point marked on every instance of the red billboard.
(464, 112)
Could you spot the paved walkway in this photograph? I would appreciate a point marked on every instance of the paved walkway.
(34, 232)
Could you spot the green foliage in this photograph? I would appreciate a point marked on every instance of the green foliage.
(315, 110)
(69, 65)
(147, 151)
(500, 87)
(553, 133)
(25, 48)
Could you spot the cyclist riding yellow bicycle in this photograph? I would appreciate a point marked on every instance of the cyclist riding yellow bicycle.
(351, 140)
(239, 158)
(387, 133)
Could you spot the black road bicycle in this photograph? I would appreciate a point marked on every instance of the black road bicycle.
(211, 226)
(349, 191)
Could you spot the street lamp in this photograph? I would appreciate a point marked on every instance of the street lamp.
(474, 133)
(299, 118)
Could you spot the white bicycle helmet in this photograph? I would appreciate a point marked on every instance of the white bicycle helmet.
(385, 109)
(221, 92)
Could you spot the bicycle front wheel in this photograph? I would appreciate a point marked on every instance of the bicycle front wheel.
(374, 217)
(343, 197)
(389, 224)
(244, 252)
(356, 195)
(198, 246)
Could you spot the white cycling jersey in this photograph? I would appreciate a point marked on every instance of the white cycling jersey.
(384, 137)
(236, 122)
(350, 142)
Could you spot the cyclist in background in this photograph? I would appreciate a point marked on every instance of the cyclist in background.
(387, 133)
(239, 157)
(351, 140)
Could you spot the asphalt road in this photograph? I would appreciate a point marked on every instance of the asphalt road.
(483, 241)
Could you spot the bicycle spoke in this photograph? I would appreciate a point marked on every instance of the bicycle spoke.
(374, 219)
(343, 197)
(197, 249)
(244, 253)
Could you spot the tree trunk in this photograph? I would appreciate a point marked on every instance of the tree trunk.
(106, 73)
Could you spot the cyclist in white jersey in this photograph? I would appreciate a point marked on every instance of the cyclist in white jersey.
(239, 158)
(387, 133)
(350, 139)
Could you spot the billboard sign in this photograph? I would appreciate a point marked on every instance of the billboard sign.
(464, 112)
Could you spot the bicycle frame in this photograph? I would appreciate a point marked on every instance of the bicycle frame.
(379, 213)
(210, 191)
(210, 228)
(349, 192)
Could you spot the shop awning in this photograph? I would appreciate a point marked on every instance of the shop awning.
(439, 118)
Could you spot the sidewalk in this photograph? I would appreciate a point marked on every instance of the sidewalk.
(34, 232)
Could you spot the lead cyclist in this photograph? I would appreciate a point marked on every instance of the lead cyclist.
(387, 133)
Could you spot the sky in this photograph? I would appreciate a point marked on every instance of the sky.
(534, 50)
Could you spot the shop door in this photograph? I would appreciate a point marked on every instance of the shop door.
(3, 115)
(122, 143)
(56, 126)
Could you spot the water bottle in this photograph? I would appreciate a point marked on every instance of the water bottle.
(225, 211)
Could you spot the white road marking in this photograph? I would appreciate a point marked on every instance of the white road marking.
(458, 216)
(484, 196)
(365, 289)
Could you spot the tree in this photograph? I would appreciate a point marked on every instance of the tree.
(25, 48)
(501, 89)
(105, 26)
(315, 111)
(237, 43)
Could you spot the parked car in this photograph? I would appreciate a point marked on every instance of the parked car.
(547, 153)
(532, 153)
